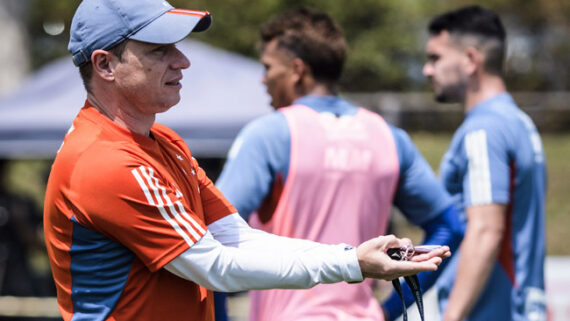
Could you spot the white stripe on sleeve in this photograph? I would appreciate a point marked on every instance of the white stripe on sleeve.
(478, 167)
(173, 210)
(189, 218)
(143, 186)
(151, 184)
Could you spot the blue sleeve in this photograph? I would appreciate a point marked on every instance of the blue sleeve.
(488, 175)
(444, 229)
(420, 196)
(260, 151)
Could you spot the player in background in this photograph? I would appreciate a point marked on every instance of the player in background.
(134, 228)
(495, 170)
(323, 169)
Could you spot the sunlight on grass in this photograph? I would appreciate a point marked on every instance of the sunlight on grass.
(27, 178)
(557, 149)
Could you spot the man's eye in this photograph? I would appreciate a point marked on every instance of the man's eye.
(432, 58)
(161, 49)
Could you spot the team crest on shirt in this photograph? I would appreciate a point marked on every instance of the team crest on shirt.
(182, 159)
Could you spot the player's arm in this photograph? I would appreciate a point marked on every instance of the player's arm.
(258, 260)
(257, 155)
(479, 252)
(486, 186)
(424, 202)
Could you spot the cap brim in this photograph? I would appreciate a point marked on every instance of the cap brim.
(173, 26)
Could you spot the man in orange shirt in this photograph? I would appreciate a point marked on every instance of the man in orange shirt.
(134, 228)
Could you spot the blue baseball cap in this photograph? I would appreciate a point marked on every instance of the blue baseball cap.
(102, 24)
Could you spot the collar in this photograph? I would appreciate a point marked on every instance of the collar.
(491, 103)
(332, 104)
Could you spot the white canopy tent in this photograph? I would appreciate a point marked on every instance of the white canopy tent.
(221, 92)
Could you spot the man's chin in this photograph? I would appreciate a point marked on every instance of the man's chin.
(441, 98)
(446, 99)
(167, 106)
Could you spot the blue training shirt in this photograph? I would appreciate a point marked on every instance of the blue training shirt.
(261, 152)
(496, 156)
(260, 156)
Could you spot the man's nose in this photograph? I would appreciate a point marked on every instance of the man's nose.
(427, 70)
(180, 61)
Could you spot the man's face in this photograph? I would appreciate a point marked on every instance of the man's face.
(148, 76)
(444, 68)
(279, 77)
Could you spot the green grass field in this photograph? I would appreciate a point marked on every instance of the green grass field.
(26, 178)
(557, 149)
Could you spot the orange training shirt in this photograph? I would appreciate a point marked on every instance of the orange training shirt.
(119, 206)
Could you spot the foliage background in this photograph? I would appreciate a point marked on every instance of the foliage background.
(385, 37)
(386, 40)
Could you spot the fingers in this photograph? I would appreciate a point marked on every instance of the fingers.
(405, 242)
(391, 241)
(388, 241)
(375, 263)
(410, 268)
(442, 252)
(405, 268)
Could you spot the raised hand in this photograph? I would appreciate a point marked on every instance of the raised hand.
(375, 262)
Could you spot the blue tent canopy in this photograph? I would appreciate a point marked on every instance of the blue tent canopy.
(221, 92)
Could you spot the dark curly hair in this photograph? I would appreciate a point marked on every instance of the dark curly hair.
(311, 36)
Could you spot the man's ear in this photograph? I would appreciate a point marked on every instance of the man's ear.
(300, 69)
(474, 60)
(102, 66)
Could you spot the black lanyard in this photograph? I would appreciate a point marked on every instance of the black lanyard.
(414, 284)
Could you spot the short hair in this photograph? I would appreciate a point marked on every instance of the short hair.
(480, 24)
(311, 36)
(86, 70)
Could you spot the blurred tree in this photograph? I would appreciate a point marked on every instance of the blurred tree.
(386, 38)
(14, 61)
(48, 28)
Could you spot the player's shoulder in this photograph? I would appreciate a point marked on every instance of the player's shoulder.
(110, 158)
(492, 130)
(101, 166)
(268, 121)
(498, 114)
(399, 133)
(488, 122)
(266, 127)
(402, 139)
(163, 132)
